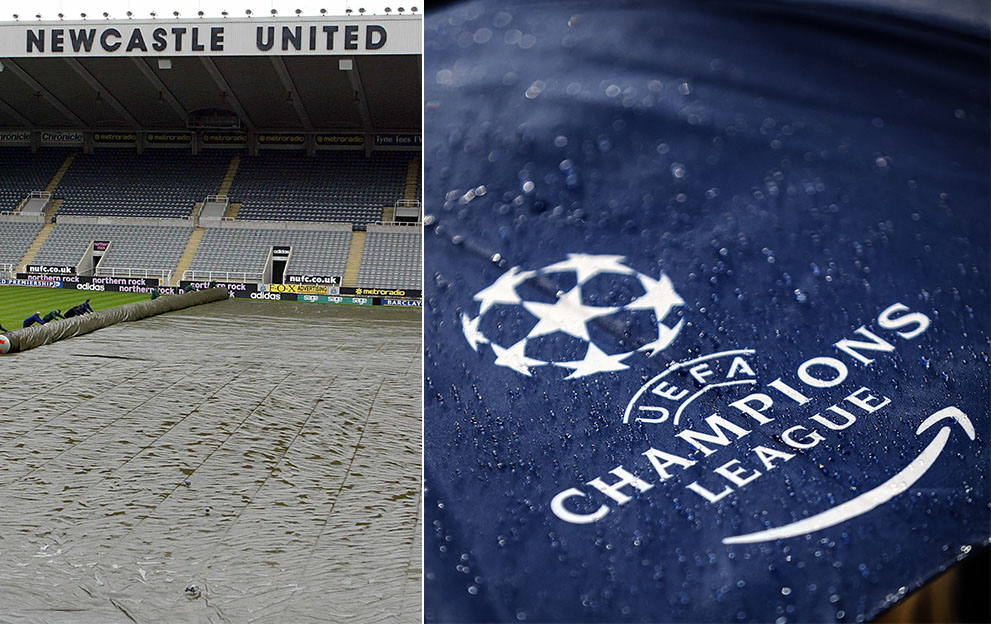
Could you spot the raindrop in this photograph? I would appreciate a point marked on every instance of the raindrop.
(482, 35)
(535, 89)
(678, 170)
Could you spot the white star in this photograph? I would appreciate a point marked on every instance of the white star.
(503, 290)
(587, 266)
(470, 328)
(660, 297)
(568, 314)
(515, 358)
(665, 335)
(596, 361)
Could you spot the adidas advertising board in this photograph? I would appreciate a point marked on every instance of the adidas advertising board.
(707, 330)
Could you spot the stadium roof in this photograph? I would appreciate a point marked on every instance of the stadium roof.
(274, 74)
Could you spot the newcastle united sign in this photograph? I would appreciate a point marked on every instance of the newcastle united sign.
(232, 37)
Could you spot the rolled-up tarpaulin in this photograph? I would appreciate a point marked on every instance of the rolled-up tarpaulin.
(31, 337)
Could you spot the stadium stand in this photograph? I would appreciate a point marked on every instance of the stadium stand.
(334, 186)
(132, 246)
(158, 184)
(318, 252)
(392, 258)
(15, 238)
(22, 172)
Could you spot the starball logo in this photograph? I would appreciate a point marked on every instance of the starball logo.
(708, 405)
(559, 301)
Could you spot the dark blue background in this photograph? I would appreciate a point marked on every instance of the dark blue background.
(835, 163)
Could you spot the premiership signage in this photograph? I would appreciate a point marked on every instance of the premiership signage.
(228, 37)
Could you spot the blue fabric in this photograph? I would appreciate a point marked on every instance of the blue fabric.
(31, 320)
(794, 176)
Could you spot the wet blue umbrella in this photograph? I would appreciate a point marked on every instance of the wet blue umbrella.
(707, 309)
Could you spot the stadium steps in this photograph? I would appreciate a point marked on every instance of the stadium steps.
(188, 254)
(39, 240)
(197, 207)
(225, 186)
(389, 214)
(412, 176)
(61, 172)
(50, 210)
(232, 210)
(354, 259)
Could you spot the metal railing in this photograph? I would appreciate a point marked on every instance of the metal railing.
(220, 199)
(407, 203)
(40, 195)
(222, 276)
(402, 223)
(164, 275)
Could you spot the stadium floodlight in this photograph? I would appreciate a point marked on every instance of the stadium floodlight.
(388, 10)
(401, 10)
(224, 13)
(274, 12)
(176, 14)
(348, 11)
(153, 15)
(413, 9)
(106, 15)
(61, 16)
(247, 12)
(130, 15)
(362, 11)
(15, 17)
(200, 13)
(298, 11)
(82, 15)
(38, 16)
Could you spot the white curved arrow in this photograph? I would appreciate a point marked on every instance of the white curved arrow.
(878, 496)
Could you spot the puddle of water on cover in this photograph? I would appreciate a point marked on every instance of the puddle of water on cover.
(268, 453)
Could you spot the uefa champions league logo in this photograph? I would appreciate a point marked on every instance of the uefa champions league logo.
(568, 314)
